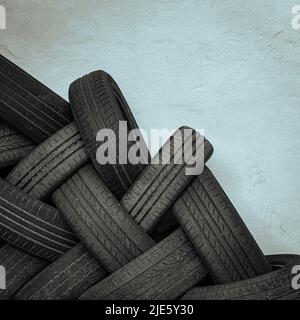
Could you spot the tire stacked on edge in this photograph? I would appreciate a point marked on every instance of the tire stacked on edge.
(107, 248)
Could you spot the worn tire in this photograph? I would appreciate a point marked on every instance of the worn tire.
(98, 103)
(51, 163)
(221, 238)
(14, 146)
(28, 105)
(32, 225)
(20, 267)
(77, 260)
(104, 226)
(96, 216)
(66, 278)
(158, 187)
(162, 273)
(276, 285)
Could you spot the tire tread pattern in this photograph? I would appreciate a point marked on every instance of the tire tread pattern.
(222, 240)
(29, 105)
(275, 285)
(31, 225)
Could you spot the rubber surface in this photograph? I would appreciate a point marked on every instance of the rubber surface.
(276, 285)
(98, 103)
(20, 267)
(51, 163)
(59, 276)
(48, 166)
(66, 279)
(30, 106)
(158, 187)
(164, 272)
(219, 235)
(14, 146)
(101, 223)
(32, 225)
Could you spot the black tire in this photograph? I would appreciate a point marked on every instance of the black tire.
(31, 225)
(20, 267)
(98, 103)
(13, 146)
(51, 163)
(66, 279)
(276, 285)
(78, 260)
(158, 187)
(96, 216)
(28, 105)
(221, 238)
(164, 272)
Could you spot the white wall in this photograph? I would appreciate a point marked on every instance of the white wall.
(231, 67)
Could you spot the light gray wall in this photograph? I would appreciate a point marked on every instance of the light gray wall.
(230, 67)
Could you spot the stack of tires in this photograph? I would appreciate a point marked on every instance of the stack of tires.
(71, 228)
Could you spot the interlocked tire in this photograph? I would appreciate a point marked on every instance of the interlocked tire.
(98, 103)
(34, 110)
(158, 186)
(39, 174)
(32, 225)
(20, 267)
(13, 146)
(101, 223)
(164, 272)
(221, 238)
(66, 279)
(28, 105)
(276, 285)
(51, 163)
(80, 264)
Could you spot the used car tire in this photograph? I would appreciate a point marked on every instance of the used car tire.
(218, 233)
(14, 146)
(44, 169)
(51, 163)
(276, 285)
(98, 103)
(100, 220)
(20, 267)
(66, 278)
(158, 187)
(59, 276)
(31, 225)
(30, 106)
(96, 216)
(37, 112)
(40, 173)
(162, 273)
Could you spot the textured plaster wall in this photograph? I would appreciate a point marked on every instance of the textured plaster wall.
(230, 67)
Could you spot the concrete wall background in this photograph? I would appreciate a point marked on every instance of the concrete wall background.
(230, 67)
